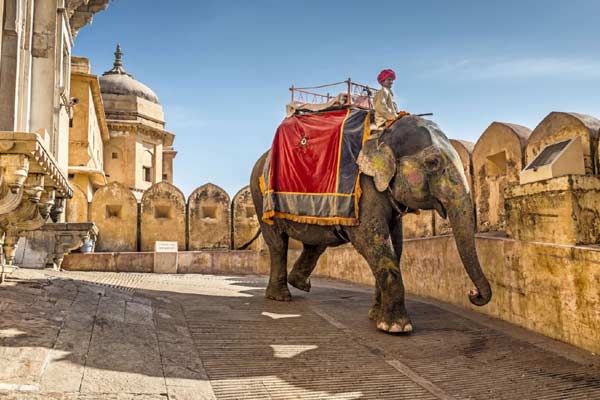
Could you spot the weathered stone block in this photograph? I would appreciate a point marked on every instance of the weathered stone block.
(558, 126)
(209, 225)
(244, 220)
(134, 262)
(165, 263)
(563, 210)
(89, 262)
(77, 206)
(195, 262)
(114, 210)
(162, 216)
(498, 158)
(418, 225)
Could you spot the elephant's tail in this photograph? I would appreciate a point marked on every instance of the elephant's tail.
(245, 246)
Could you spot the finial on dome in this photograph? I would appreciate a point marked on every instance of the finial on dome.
(118, 63)
(118, 54)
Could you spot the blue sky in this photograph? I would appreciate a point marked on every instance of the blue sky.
(222, 69)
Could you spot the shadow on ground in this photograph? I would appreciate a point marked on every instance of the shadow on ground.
(203, 336)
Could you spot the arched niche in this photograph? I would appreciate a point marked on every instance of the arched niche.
(498, 158)
(114, 210)
(209, 225)
(162, 216)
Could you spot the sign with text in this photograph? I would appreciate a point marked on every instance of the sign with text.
(165, 247)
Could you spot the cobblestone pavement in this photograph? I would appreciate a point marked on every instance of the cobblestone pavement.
(76, 335)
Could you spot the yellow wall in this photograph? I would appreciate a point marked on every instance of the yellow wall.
(209, 224)
(244, 220)
(114, 210)
(162, 216)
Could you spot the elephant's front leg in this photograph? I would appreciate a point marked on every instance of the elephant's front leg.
(396, 236)
(375, 310)
(377, 249)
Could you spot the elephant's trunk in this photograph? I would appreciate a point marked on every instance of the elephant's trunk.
(459, 207)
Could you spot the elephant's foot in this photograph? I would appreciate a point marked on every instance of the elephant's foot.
(299, 281)
(399, 324)
(278, 293)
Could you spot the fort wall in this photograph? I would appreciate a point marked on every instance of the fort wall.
(537, 242)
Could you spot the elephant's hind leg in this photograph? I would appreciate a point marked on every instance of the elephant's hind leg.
(300, 275)
(277, 288)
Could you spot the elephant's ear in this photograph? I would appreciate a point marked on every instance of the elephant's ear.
(377, 160)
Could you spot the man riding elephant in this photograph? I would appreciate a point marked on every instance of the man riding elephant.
(385, 107)
(410, 165)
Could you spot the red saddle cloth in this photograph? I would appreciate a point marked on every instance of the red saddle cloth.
(311, 174)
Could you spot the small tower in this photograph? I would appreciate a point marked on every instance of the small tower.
(139, 152)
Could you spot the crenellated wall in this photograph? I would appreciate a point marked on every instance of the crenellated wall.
(498, 158)
(244, 223)
(540, 211)
(559, 126)
(162, 216)
(114, 210)
(208, 218)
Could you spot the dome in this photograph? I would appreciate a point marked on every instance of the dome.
(117, 81)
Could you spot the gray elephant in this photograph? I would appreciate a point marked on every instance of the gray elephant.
(411, 165)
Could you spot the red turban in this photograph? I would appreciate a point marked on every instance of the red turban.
(386, 73)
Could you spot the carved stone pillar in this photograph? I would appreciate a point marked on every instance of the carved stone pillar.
(13, 173)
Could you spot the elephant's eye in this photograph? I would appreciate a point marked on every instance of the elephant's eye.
(432, 164)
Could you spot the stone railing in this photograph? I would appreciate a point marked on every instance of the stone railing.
(32, 188)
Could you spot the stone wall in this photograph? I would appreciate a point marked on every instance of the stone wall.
(114, 210)
(492, 167)
(162, 216)
(244, 221)
(207, 221)
(77, 206)
(208, 218)
(498, 158)
(559, 126)
(418, 225)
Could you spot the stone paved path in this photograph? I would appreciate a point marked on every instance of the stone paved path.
(76, 335)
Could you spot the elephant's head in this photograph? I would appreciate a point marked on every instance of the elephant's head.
(416, 163)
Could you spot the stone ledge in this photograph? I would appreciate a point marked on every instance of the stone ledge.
(563, 210)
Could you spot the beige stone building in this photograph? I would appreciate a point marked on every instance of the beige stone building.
(117, 135)
(36, 107)
(88, 135)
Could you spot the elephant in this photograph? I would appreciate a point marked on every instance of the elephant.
(411, 165)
